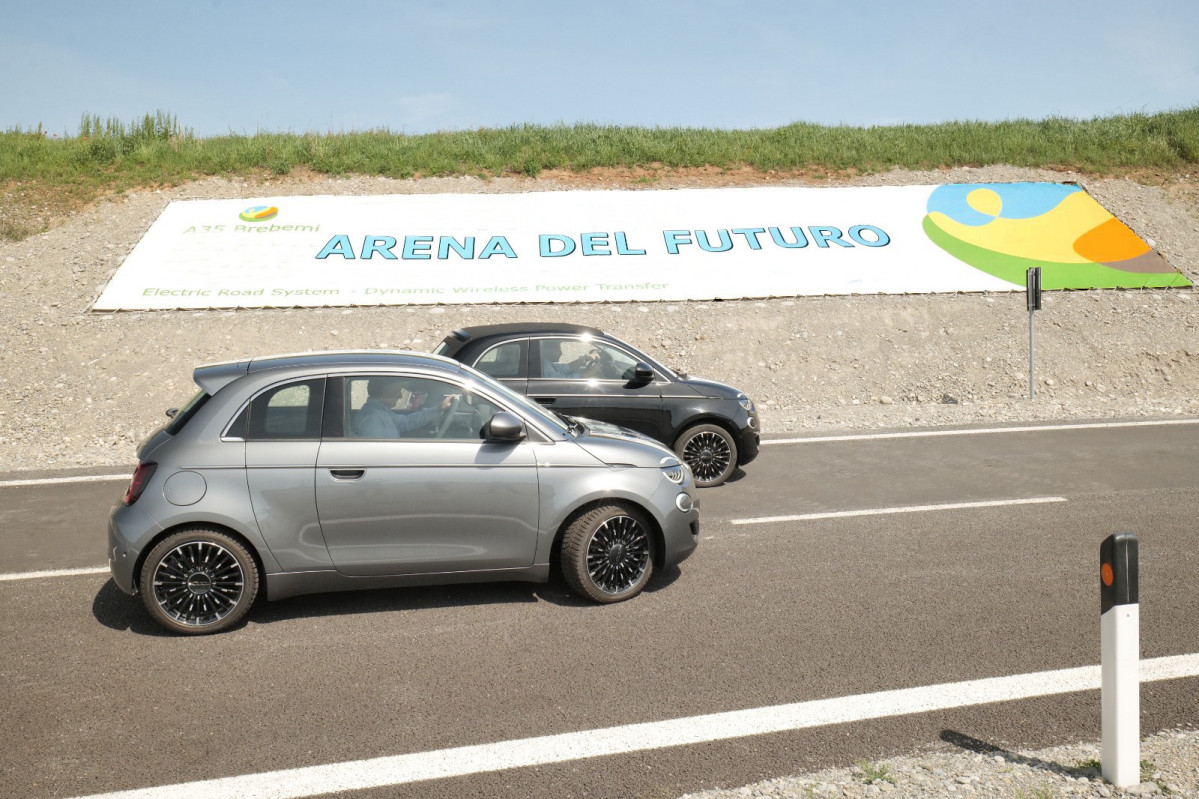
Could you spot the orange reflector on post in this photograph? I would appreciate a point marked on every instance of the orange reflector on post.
(1118, 571)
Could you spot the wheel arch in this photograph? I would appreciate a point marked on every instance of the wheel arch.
(659, 538)
(712, 419)
(218, 527)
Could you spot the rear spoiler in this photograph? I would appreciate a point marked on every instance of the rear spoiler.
(215, 376)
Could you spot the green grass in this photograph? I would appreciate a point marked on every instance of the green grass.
(870, 773)
(108, 155)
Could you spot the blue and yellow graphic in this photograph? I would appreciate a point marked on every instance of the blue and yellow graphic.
(1005, 228)
(259, 213)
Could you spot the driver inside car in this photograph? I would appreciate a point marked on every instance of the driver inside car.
(377, 419)
(553, 366)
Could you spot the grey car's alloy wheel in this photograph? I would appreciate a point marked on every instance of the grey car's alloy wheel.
(607, 554)
(710, 452)
(198, 581)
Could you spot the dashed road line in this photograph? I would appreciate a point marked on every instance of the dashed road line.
(49, 481)
(800, 517)
(8, 578)
(804, 517)
(979, 431)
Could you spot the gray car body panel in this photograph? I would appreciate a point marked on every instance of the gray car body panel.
(428, 507)
(422, 512)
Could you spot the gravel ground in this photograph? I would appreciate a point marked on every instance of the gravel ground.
(80, 389)
(1169, 767)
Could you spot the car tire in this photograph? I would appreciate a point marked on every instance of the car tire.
(607, 554)
(710, 451)
(198, 581)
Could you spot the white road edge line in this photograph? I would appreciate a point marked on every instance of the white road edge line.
(805, 517)
(8, 578)
(980, 431)
(83, 478)
(380, 772)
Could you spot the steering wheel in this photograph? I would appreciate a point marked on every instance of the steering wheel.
(604, 363)
(447, 417)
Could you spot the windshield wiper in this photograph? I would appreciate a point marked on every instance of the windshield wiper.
(575, 427)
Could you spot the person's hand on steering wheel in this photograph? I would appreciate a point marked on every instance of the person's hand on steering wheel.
(449, 407)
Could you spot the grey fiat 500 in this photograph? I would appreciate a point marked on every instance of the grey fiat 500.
(331, 471)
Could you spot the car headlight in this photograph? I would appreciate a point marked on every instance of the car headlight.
(674, 470)
(745, 402)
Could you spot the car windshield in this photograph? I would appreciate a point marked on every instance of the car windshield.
(551, 419)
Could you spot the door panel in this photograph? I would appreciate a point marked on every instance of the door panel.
(282, 430)
(280, 477)
(415, 507)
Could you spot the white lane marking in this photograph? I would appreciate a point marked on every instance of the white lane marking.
(6, 578)
(83, 478)
(804, 517)
(380, 772)
(980, 431)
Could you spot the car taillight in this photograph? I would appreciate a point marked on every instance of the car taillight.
(137, 485)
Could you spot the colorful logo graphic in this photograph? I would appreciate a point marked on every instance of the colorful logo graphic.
(1005, 228)
(259, 213)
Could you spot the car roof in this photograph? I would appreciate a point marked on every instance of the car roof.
(476, 334)
(215, 376)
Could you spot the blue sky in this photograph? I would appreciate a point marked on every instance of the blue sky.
(222, 66)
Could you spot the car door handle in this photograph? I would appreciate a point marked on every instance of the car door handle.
(545, 400)
(347, 474)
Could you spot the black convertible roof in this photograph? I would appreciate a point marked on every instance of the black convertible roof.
(457, 339)
(479, 331)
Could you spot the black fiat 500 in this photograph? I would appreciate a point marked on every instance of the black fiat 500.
(584, 372)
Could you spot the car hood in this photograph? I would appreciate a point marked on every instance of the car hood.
(710, 388)
(613, 444)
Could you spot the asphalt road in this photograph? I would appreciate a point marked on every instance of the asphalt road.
(96, 699)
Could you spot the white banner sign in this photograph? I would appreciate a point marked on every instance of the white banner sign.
(570, 246)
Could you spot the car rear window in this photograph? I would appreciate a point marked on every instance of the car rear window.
(180, 419)
(503, 360)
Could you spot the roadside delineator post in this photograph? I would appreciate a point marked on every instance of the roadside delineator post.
(1032, 289)
(1120, 622)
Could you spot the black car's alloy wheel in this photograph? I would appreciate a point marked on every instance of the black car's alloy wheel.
(198, 581)
(607, 554)
(710, 452)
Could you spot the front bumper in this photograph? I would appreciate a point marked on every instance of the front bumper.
(749, 441)
(680, 529)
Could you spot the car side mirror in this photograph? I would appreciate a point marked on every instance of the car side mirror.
(504, 427)
(643, 373)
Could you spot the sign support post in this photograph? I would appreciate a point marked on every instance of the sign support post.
(1119, 591)
(1032, 287)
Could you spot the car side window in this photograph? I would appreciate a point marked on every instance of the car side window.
(583, 359)
(398, 407)
(505, 360)
(289, 411)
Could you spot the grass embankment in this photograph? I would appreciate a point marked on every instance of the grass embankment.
(43, 178)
